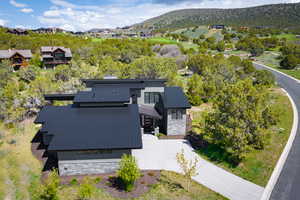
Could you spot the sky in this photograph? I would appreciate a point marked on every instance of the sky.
(82, 15)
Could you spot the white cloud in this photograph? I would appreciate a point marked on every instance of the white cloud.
(121, 13)
(2, 22)
(26, 10)
(16, 4)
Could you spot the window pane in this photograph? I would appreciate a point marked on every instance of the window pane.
(146, 97)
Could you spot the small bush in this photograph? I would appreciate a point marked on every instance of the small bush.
(74, 181)
(86, 189)
(51, 186)
(128, 172)
(97, 180)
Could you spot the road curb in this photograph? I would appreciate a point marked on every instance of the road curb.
(280, 163)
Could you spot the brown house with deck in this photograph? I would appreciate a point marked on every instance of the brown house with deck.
(18, 58)
(53, 56)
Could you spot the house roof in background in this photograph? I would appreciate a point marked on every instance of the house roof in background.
(174, 97)
(78, 128)
(26, 53)
(67, 51)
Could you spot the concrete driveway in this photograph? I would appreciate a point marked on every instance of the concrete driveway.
(161, 155)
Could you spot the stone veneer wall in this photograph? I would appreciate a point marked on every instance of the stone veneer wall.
(89, 162)
(176, 126)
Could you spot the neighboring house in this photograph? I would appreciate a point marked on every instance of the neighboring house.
(18, 31)
(53, 56)
(18, 58)
(91, 135)
(217, 26)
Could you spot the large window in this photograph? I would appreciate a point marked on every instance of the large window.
(176, 114)
(151, 97)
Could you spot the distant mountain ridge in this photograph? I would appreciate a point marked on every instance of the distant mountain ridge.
(274, 15)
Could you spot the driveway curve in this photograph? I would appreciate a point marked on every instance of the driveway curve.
(287, 185)
(161, 155)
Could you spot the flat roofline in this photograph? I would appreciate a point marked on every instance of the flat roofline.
(59, 97)
(105, 81)
(91, 149)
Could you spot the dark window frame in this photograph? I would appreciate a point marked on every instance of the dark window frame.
(151, 97)
(177, 114)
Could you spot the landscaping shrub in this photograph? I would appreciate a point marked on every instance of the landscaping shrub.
(86, 189)
(50, 188)
(128, 172)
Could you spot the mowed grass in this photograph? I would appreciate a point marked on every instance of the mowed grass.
(19, 170)
(258, 165)
(162, 40)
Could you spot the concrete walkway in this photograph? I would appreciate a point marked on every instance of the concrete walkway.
(161, 155)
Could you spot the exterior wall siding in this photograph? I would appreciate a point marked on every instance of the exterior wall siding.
(89, 162)
(176, 126)
(140, 99)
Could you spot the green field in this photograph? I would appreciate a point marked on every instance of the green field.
(162, 40)
(98, 39)
(258, 165)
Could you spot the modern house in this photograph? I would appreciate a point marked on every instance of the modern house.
(18, 58)
(107, 120)
(53, 56)
(217, 26)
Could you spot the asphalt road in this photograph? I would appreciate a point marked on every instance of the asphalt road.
(288, 184)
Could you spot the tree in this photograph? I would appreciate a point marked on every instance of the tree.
(211, 40)
(129, 171)
(189, 168)
(195, 90)
(238, 122)
(256, 48)
(220, 46)
(202, 37)
(289, 62)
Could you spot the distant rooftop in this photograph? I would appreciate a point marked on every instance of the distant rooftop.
(10, 52)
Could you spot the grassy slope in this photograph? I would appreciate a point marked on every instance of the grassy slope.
(20, 174)
(259, 164)
(19, 171)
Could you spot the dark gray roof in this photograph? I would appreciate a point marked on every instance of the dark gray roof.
(59, 97)
(67, 51)
(174, 97)
(108, 94)
(77, 128)
(10, 52)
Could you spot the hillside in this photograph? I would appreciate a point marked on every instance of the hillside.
(275, 15)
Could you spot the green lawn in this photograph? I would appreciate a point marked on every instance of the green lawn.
(98, 39)
(162, 40)
(258, 165)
